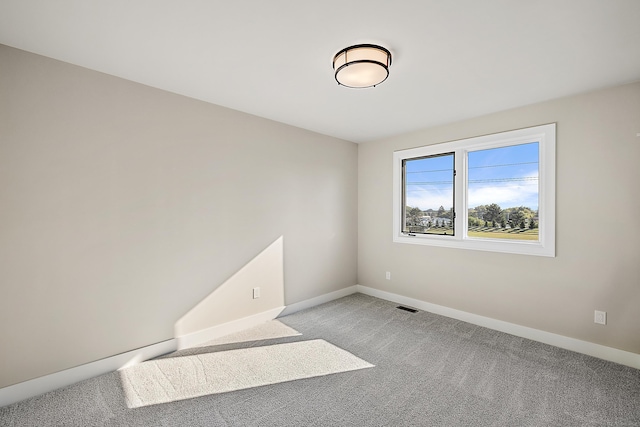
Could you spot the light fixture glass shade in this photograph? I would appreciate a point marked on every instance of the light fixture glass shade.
(362, 65)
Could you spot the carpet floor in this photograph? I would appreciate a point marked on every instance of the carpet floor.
(418, 369)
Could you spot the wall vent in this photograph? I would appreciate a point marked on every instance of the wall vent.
(410, 310)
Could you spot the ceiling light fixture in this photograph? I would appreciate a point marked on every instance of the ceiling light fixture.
(362, 65)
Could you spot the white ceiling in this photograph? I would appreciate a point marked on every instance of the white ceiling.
(452, 59)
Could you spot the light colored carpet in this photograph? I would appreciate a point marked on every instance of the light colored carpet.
(429, 371)
(177, 378)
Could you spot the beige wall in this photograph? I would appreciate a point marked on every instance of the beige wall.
(598, 227)
(264, 272)
(122, 207)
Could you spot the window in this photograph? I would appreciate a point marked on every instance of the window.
(428, 181)
(493, 193)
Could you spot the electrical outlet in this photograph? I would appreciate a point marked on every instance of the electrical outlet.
(256, 293)
(388, 275)
(600, 317)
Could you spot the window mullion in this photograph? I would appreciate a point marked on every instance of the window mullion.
(460, 195)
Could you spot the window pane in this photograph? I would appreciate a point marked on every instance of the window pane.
(428, 194)
(503, 192)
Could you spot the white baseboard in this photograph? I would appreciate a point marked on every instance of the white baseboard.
(37, 386)
(596, 350)
(205, 335)
(44, 384)
(321, 299)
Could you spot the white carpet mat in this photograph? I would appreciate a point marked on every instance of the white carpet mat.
(178, 378)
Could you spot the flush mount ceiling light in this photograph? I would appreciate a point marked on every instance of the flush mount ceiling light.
(362, 65)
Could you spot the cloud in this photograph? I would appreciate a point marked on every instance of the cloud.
(507, 196)
(430, 198)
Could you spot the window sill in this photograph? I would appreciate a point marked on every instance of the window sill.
(477, 244)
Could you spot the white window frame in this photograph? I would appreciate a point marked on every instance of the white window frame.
(545, 135)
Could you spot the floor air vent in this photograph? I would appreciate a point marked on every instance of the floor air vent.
(410, 310)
